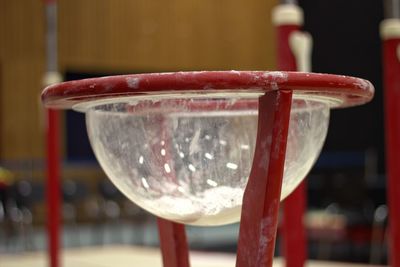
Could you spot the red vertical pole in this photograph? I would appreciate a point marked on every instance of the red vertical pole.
(285, 60)
(390, 30)
(53, 187)
(261, 199)
(52, 138)
(175, 251)
(294, 234)
(294, 206)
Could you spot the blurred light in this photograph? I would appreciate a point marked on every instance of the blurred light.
(180, 189)
(212, 183)
(141, 160)
(162, 142)
(231, 165)
(144, 182)
(222, 142)
(381, 213)
(181, 155)
(163, 152)
(207, 137)
(245, 147)
(208, 155)
(192, 168)
(167, 168)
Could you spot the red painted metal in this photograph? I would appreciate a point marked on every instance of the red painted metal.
(53, 144)
(347, 90)
(294, 242)
(262, 195)
(261, 199)
(175, 251)
(53, 186)
(392, 120)
(285, 60)
(293, 230)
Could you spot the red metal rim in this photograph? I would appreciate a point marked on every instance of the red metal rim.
(344, 90)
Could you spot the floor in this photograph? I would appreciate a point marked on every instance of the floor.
(124, 256)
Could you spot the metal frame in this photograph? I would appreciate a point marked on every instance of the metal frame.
(262, 195)
(344, 91)
(294, 241)
(52, 140)
(259, 220)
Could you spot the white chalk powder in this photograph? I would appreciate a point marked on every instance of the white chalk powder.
(219, 205)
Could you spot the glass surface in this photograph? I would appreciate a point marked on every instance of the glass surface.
(188, 160)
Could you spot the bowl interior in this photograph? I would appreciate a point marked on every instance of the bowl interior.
(188, 159)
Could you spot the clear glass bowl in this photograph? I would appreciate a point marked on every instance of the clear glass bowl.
(188, 159)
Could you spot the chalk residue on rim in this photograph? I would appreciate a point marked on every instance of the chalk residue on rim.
(133, 82)
(275, 77)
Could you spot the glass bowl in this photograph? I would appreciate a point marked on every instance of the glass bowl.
(188, 159)
(181, 144)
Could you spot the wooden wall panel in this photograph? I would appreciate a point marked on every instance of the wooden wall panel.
(159, 35)
(22, 61)
(120, 36)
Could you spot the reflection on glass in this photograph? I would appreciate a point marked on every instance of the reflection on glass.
(188, 160)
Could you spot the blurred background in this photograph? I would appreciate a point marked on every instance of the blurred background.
(346, 219)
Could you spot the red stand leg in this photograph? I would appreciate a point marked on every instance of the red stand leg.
(53, 186)
(392, 120)
(174, 248)
(262, 195)
(294, 234)
(294, 206)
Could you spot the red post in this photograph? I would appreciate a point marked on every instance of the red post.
(285, 60)
(53, 186)
(391, 66)
(293, 232)
(174, 248)
(52, 138)
(262, 195)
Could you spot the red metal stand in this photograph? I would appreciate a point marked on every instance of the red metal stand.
(261, 199)
(294, 235)
(294, 206)
(262, 194)
(392, 119)
(53, 142)
(53, 186)
(174, 248)
(259, 218)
